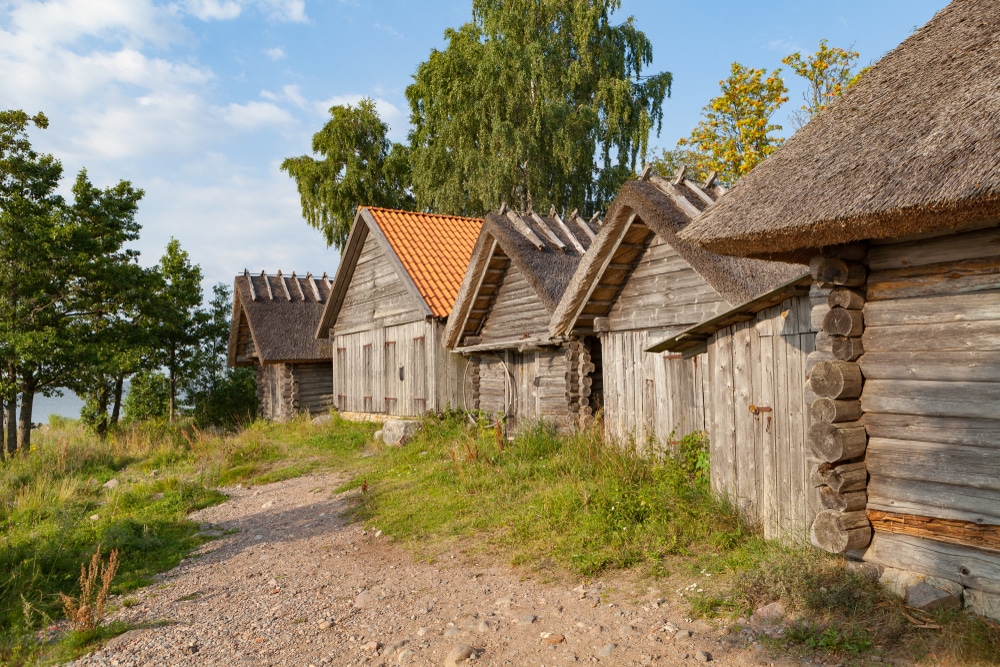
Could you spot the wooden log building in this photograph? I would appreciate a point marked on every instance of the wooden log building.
(640, 283)
(274, 319)
(394, 290)
(893, 196)
(516, 371)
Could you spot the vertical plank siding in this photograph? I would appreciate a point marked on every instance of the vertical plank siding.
(756, 417)
(932, 388)
(388, 370)
(287, 390)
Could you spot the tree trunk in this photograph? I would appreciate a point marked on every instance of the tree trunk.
(11, 418)
(3, 431)
(27, 402)
(117, 409)
(173, 388)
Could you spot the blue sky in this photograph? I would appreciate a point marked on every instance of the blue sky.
(198, 101)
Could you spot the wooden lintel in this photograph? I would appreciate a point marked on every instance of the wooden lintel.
(966, 533)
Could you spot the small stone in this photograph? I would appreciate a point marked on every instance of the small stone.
(484, 626)
(554, 639)
(703, 656)
(268, 505)
(397, 432)
(325, 625)
(404, 656)
(364, 599)
(95, 517)
(670, 627)
(451, 632)
(927, 597)
(770, 613)
(682, 634)
(378, 533)
(423, 631)
(982, 603)
(683, 656)
(370, 647)
(527, 619)
(607, 650)
(111, 484)
(273, 583)
(258, 537)
(205, 526)
(459, 654)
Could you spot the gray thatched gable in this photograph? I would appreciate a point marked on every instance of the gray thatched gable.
(663, 208)
(275, 319)
(545, 250)
(913, 147)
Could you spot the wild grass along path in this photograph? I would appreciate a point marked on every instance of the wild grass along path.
(293, 583)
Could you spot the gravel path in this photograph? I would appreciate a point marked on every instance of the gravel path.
(290, 583)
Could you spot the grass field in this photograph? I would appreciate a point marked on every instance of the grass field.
(550, 504)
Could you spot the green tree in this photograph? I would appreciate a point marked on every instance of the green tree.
(670, 161)
(148, 397)
(359, 167)
(534, 102)
(219, 395)
(29, 206)
(830, 71)
(736, 132)
(179, 317)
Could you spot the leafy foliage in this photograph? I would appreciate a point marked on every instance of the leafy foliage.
(735, 132)
(359, 167)
(829, 71)
(148, 398)
(522, 100)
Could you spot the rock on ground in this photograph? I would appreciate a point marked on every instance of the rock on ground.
(397, 432)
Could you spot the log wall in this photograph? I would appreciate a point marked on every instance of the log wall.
(286, 390)
(758, 416)
(931, 403)
(396, 370)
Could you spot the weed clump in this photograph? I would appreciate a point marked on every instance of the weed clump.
(87, 611)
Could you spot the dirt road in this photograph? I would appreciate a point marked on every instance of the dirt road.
(290, 583)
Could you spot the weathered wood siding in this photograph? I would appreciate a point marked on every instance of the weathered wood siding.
(931, 397)
(287, 390)
(647, 396)
(397, 370)
(516, 312)
(759, 419)
(664, 292)
(526, 386)
(376, 296)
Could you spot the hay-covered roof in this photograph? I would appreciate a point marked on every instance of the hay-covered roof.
(545, 249)
(913, 147)
(275, 318)
(666, 207)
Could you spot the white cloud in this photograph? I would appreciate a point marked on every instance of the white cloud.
(254, 115)
(41, 25)
(388, 29)
(783, 46)
(277, 53)
(288, 93)
(214, 10)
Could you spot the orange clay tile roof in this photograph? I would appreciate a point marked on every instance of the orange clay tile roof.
(434, 249)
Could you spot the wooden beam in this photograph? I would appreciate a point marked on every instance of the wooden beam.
(710, 181)
(284, 286)
(965, 533)
(679, 174)
(270, 294)
(646, 171)
(671, 190)
(553, 237)
(314, 288)
(582, 224)
(702, 195)
(253, 291)
(525, 231)
(570, 235)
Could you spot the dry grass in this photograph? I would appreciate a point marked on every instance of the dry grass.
(86, 611)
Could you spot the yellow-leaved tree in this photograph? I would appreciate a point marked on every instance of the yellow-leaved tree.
(736, 131)
(829, 71)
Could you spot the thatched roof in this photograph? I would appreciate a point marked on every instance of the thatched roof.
(430, 253)
(666, 207)
(913, 147)
(274, 318)
(545, 249)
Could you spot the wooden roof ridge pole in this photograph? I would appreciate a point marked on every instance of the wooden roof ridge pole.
(596, 218)
(284, 285)
(315, 290)
(267, 283)
(553, 237)
(253, 292)
(679, 174)
(298, 283)
(671, 190)
(582, 224)
(710, 181)
(570, 235)
(695, 188)
(525, 230)
(647, 169)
